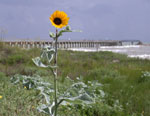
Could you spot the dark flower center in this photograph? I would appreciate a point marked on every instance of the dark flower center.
(57, 21)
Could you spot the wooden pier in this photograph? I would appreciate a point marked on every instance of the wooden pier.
(70, 44)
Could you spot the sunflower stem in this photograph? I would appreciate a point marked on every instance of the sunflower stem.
(55, 77)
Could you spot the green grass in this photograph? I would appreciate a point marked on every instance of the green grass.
(120, 75)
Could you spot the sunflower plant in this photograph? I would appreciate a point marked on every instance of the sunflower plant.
(58, 19)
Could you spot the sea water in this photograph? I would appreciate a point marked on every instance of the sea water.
(139, 51)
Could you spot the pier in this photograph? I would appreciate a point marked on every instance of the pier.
(71, 44)
(131, 42)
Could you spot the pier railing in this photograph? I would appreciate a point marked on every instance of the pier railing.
(68, 44)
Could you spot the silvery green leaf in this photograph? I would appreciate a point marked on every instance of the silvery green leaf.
(62, 31)
(52, 35)
(73, 101)
(67, 29)
(48, 109)
(28, 83)
(15, 79)
(81, 98)
(86, 98)
(37, 62)
(48, 53)
(79, 85)
(45, 93)
(47, 97)
(44, 108)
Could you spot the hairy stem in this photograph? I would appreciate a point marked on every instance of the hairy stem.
(55, 77)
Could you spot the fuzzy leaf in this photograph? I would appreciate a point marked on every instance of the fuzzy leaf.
(48, 53)
(43, 108)
(37, 62)
(48, 109)
(52, 35)
(62, 31)
(67, 29)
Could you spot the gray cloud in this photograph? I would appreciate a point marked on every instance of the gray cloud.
(98, 19)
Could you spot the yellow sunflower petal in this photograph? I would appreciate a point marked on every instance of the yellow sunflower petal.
(55, 13)
(65, 21)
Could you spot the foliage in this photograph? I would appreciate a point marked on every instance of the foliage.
(75, 94)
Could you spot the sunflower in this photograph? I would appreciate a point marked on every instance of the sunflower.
(59, 19)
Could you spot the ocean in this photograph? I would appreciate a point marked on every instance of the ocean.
(138, 51)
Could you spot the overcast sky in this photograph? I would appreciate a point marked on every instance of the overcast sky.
(98, 19)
